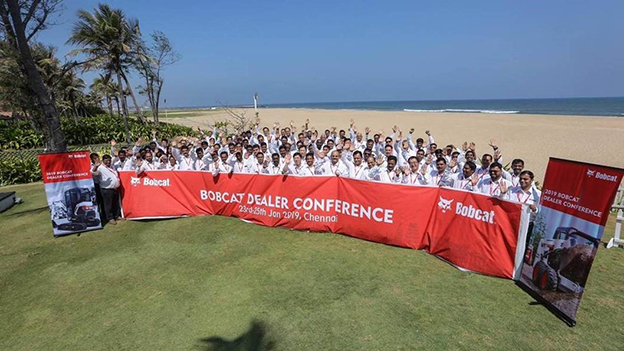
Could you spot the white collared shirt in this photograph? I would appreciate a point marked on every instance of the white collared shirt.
(109, 178)
(530, 197)
(493, 188)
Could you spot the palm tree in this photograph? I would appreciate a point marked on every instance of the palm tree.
(101, 86)
(71, 90)
(107, 38)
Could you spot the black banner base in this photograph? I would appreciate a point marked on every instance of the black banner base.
(554, 310)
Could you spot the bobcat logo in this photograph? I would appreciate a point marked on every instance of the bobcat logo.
(444, 204)
(135, 181)
(590, 173)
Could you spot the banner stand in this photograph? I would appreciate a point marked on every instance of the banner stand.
(70, 192)
(574, 207)
(549, 306)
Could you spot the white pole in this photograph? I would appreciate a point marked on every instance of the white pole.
(256, 102)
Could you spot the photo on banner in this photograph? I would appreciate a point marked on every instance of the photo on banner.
(70, 192)
(574, 208)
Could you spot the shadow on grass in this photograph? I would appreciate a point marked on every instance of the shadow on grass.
(254, 339)
(29, 212)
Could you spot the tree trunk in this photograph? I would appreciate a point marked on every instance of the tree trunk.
(157, 100)
(118, 108)
(134, 100)
(74, 110)
(55, 139)
(109, 104)
(125, 115)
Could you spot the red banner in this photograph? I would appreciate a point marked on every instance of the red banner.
(583, 190)
(65, 166)
(574, 208)
(472, 231)
(70, 192)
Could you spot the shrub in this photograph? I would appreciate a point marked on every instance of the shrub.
(90, 130)
(19, 171)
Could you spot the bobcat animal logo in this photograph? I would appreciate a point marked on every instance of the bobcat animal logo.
(444, 204)
(135, 181)
(590, 173)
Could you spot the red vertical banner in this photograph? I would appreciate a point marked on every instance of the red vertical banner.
(574, 208)
(70, 192)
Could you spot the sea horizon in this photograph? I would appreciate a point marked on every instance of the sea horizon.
(579, 106)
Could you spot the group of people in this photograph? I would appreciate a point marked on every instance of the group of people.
(393, 158)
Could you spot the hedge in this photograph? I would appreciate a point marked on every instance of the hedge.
(19, 171)
(19, 135)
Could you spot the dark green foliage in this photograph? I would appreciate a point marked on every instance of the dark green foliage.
(19, 171)
(92, 130)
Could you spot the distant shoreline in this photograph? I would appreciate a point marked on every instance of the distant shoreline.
(266, 108)
(605, 106)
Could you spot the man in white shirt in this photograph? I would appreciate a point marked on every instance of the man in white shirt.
(109, 182)
(145, 164)
(527, 194)
(484, 170)
(238, 165)
(276, 167)
(440, 176)
(172, 164)
(389, 174)
(224, 166)
(311, 166)
(335, 166)
(199, 164)
(184, 158)
(495, 185)
(414, 174)
(297, 167)
(120, 160)
(357, 168)
(517, 166)
(468, 179)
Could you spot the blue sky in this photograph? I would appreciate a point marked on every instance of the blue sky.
(322, 51)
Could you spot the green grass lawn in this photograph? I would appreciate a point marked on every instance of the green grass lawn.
(219, 283)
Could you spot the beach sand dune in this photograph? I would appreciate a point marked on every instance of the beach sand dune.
(533, 138)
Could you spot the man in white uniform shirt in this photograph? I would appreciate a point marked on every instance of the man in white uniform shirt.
(484, 170)
(109, 182)
(495, 185)
(414, 174)
(440, 176)
(224, 166)
(467, 180)
(184, 158)
(357, 168)
(276, 167)
(311, 166)
(120, 160)
(388, 174)
(145, 164)
(335, 167)
(296, 167)
(517, 166)
(238, 165)
(199, 164)
(527, 194)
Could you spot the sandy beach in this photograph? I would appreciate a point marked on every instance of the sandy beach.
(533, 138)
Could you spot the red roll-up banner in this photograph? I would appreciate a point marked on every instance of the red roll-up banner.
(573, 211)
(70, 191)
(469, 230)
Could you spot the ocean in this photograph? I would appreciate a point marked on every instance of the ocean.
(611, 106)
